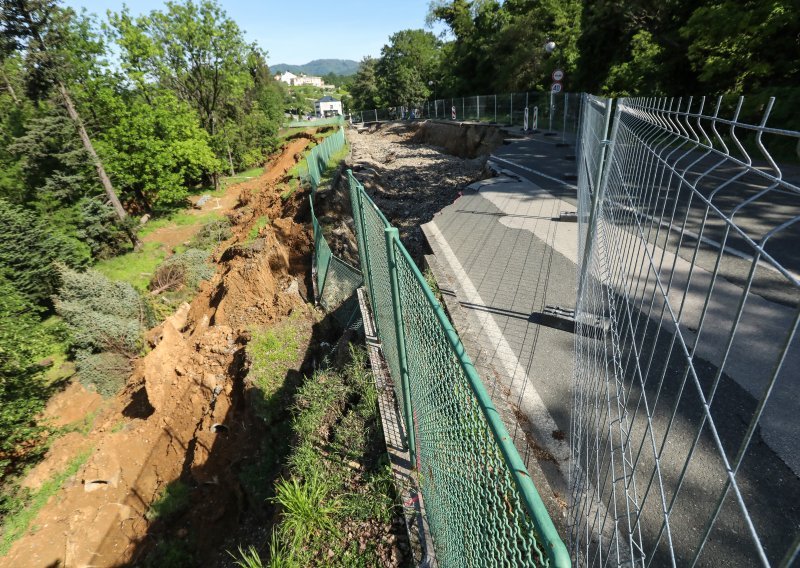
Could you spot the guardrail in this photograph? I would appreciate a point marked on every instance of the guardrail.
(482, 507)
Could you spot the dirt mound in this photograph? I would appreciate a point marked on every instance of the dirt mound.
(182, 419)
(462, 140)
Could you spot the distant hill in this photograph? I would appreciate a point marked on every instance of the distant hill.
(319, 67)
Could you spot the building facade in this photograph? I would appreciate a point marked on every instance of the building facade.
(328, 106)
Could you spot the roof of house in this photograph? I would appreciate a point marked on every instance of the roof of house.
(328, 99)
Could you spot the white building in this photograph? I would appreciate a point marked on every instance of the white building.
(328, 106)
(298, 80)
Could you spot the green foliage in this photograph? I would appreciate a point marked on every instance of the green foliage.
(639, 74)
(365, 90)
(255, 230)
(211, 234)
(136, 268)
(102, 315)
(156, 149)
(308, 510)
(28, 249)
(23, 393)
(407, 64)
(105, 373)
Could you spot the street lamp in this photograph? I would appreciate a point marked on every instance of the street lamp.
(550, 46)
(432, 85)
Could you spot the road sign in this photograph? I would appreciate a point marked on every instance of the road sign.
(555, 87)
(558, 75)
(453, 112)
(525, 120)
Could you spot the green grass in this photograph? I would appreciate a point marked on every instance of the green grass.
(136, 268)
(273, 351)
(260, 223)
(173, 499)
(62, 367)
(16, 523)
(181, 218)
(226, 181)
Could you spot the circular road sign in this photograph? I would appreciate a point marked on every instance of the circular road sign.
(555, 87)
(558, 74)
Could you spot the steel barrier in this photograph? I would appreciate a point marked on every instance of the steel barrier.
(684, 423)
(482, 507)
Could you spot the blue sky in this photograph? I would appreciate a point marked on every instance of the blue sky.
(296, 33)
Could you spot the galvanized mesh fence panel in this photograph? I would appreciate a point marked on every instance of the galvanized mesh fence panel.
(319, 156)
(483, 509)
(684, 422)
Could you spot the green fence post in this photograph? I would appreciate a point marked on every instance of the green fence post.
(392, 236)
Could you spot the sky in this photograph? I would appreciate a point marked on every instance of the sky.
(311, 29)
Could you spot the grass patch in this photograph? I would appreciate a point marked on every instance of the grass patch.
(16, 522)
(62, 368)
(260, 223)
(273, 351)
(182, 218)
(226, 181)
(433, 284)
(291, 188)
(173, 500)
(337, 502)
(136, 268)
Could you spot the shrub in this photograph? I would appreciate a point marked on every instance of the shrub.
(185, 268)
(211, 234)
(105, 373)
(101, 314)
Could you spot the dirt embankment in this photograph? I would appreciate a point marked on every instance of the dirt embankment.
(410, 178)
(183, 415)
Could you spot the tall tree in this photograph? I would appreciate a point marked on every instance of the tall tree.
(408, 63)
(365, 90)
(50, 38)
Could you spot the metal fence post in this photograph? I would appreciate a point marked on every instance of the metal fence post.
(511, 112)
(495, 109)
(478, 106)
(463, 109)
(392, 236)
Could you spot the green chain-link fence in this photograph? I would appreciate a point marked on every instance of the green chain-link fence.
(482, 507)
(319, 156)
(336, 281)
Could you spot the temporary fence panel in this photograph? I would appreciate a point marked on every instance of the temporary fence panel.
(482, 507)
(684, 420)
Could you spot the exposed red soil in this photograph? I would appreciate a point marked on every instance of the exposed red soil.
(165, 425)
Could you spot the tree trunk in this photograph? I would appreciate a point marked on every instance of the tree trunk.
(230, 160)
(98, 165)
(10, 88)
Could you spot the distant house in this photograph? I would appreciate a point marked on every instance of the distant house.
(298, 80)
(328, 106)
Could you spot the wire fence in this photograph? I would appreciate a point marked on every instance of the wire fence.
(684, 421)
(335, 281)
(556, 113)
(319, 156)
(315, 122)
(482, 507)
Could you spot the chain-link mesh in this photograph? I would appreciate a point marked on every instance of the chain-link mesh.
(336, 281)
(319, 156)
(482, 507)
(684, 420)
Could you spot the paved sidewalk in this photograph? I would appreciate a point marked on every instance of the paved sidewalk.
(507, 259)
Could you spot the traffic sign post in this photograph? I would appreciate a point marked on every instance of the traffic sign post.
(556, 87)
(525, 120)
(558, 75)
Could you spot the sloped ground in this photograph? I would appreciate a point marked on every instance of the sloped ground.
(183, 417)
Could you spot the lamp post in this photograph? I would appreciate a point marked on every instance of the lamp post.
(432, 85)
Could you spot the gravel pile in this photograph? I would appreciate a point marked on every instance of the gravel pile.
(409, 182)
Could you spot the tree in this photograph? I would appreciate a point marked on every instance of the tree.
(23, 393)
(365, 90)
(407, 64)
(53, 40)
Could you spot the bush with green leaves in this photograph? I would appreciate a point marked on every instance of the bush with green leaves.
(23, 342)
(102, 314)
(211, 234)
(104, 373)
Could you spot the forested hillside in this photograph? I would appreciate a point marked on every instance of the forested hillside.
(611, 47)
(101, 122)
(320, 67)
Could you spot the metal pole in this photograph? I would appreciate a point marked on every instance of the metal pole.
(463, 110)
(511, 112)
(564, 129)
(495, 109)
(550, 118)
(478, 106)
(392, 237)
(376, 115)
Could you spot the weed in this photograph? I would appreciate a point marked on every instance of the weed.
(433, 284)
(17, 520)
(260, 223)
(173, 500)
(247, 558)
(308, 509)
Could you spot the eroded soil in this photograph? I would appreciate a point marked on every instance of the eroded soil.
(183, 416)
